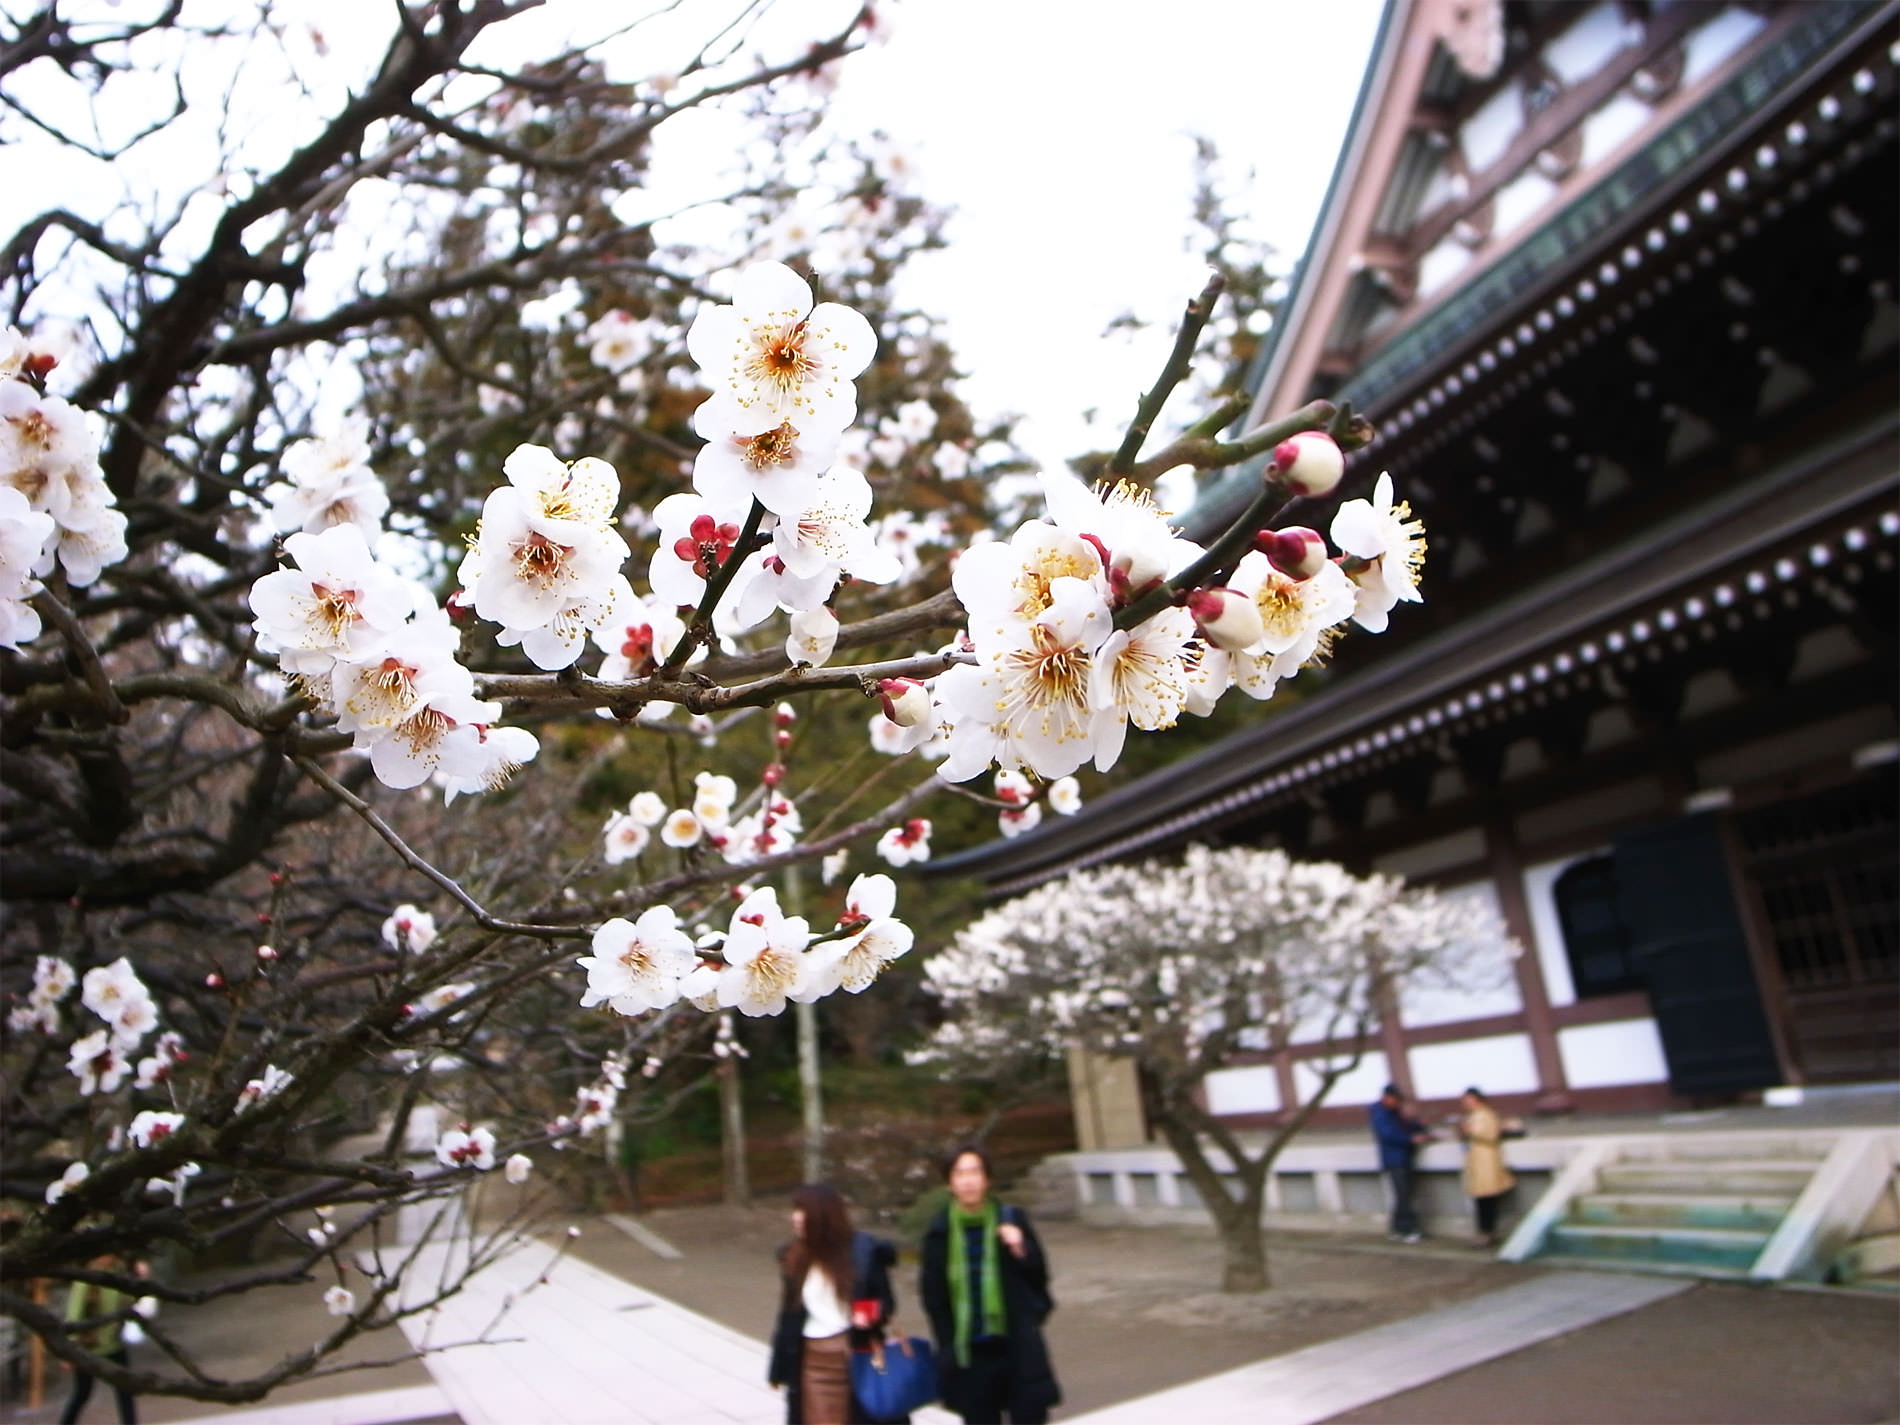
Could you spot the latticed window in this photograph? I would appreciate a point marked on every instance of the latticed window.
(1830, 883)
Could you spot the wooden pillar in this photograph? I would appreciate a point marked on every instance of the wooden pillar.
(1761, 952)
(1507, 874)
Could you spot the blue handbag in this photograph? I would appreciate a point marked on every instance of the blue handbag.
(896, 1380)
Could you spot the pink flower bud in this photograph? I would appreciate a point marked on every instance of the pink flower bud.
(214, 981)
(1228, 618)
(267, 953)
(1309, 463)
(906, 701)
(1297, 552)
(773, 774)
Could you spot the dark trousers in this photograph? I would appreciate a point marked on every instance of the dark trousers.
(1404, 1218)
(82, 1392)
(1488, 1213)
(987, 1380)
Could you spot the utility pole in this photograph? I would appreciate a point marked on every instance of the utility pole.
(731, 1115)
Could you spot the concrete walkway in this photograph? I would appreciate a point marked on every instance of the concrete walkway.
(1322, 1381)
(564, 1343)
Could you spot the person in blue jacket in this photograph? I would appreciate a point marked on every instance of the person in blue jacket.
(1399, 1136)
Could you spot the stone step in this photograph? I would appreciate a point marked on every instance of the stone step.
(1722, 1178)
(1737, 1212)
(1697, 1248)
(1694, 1147)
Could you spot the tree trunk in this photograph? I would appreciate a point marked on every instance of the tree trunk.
(1243, 1250)
(732, 1133)
(1233, 1202)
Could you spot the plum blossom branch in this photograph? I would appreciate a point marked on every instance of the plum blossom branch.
(482, 915)
(1180, 361)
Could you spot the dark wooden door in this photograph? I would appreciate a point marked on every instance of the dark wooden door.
(1674, 893)
(1825, 871)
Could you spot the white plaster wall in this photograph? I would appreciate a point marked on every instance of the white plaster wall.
(1487, 133)
(1518, 200)
(1444, 262)
(1708, 46)
(1498, 1063)
(1624, 1051)
(1486, 984)
(1559, 988)
(1588, 45)
(1253, 1089)
(1612, 125)
(1362, 1085)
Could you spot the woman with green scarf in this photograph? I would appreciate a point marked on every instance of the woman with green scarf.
(985, 1287)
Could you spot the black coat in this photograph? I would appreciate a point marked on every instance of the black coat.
(1026, 1303)
(871, 1261)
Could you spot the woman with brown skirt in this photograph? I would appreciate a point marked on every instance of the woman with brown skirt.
(835, 1298)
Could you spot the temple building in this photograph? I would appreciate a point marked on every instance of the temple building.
(1615, 283)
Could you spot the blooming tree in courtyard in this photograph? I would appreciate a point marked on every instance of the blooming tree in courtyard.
(1188, 968)
(308, 697)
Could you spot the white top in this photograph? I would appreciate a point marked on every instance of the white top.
(826, 1312)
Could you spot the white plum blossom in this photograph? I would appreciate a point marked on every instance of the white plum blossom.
(1137, 544)
(547, 544)
(833, 865)
(517, 1168)
(619, 341)
(409, 930)
(23, 532)
(1065, 796)
(1014, 821)
(98, 1063)
(339, 1301)
(1387, 550)
(813, 636)
(766, 963)
(1295, 618)
(466, 1148)
(771, 357)
(624, 838)
(1006, 586)
(168, 1051)
(637, 638)
(713, 798)
(906, 844)
(75, 1174)
(647, 808)
(1030, 700)
(950, 460)
(150, 1127)
(486, 766)
(638, 965)
(559, 642)
(274, 1082)
(329, 483)
(681, 829)
(778, 467)
(337, 603)
(1142, 674)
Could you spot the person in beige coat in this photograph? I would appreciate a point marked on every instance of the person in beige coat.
(1487, 1180)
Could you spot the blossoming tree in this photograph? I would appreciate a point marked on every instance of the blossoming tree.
(395, 452)
(1192, 967)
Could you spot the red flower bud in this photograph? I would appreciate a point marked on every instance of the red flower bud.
(1309, 463)
(1297, 552)
(1228, 618)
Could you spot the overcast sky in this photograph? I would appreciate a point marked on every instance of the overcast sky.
(1060, 133)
